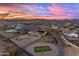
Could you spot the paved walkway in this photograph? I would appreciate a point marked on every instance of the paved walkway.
(71, 51)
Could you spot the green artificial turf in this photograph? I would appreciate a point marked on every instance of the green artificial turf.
(42, 48)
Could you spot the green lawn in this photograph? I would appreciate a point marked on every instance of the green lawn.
(42, 48)
(6, 28)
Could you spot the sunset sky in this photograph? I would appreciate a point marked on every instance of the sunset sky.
(43, 10)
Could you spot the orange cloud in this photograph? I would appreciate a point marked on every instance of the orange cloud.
(56, 9)
(28, 16)
(16, 13)
(9, 8)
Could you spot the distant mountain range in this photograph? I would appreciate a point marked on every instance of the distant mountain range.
(40, 21)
